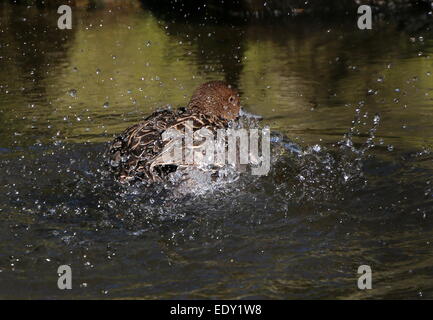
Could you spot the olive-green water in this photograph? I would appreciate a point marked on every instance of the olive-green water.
(358, 102)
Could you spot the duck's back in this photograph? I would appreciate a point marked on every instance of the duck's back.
(134, 153)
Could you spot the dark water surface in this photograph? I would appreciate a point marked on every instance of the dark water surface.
(358, 102)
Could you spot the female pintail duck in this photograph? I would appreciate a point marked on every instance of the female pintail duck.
(135, 155)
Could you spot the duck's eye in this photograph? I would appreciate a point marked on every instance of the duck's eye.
(231, 99)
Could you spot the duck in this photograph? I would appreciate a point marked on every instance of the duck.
(136, 154)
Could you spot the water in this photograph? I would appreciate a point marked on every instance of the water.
(357, 191)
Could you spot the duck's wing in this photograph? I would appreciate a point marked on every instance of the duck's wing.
(132, 152)
(146, 150)
(196, 129)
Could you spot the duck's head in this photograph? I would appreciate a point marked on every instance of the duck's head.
(217, 98)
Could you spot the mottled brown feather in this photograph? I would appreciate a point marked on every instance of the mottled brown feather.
(135, 154)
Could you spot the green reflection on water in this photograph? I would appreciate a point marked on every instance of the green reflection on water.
(305, 78)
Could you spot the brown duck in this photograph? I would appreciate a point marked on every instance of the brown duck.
(136, 153)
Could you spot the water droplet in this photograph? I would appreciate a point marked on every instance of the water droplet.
(73, 93)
